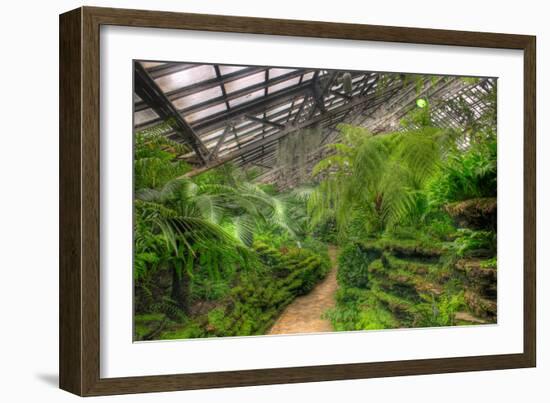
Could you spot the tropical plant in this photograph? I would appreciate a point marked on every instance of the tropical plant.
(466, 174)
(209, 226)
(155, 160)
(438, 311)
(380, 179)
(474, 243)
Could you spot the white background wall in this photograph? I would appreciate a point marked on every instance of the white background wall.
(29, 198)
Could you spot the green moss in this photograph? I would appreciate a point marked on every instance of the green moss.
(145, 324)
(358, 309)
(413, 267)
(375, 318)
(188, 331)
(393, 302)
(427, 249)
(377, 267)
(489, 263)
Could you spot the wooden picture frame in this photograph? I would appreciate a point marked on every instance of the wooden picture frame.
(79, 201)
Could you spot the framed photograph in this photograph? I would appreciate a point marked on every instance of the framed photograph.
(249, 201)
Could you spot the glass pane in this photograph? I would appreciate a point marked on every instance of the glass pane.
(148, 65)
(226, 146)
(241, 83)
(284, 84)
(197, 98)
(273, 73)
(278, 109)
(205, 112)
(186, 77)
(230, 69)
(307, 76)
(246, 98)
(144, 116)
(212, 135)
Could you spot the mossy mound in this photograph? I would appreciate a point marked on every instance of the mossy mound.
(408, 248)
(353, 264)
(480, 213)
(478, 270)
(417, 284)
(481, 306)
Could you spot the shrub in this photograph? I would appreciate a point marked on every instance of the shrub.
(441, 227)
(353, 264)
(326, 230)
(260, 295)
(356, 309)
(474, 243)
(438, 311)
(466, 175)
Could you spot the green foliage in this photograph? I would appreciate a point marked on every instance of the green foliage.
(228, 175)
(408, 286)
(418, 117)
(353, 264)
(326, 231)
(155, 160)
(438, 311)
(218, 255)
(440, 226)
(184, 330)
(466, 174)
(474, 243)
(377, 182)
(357, 309)
(258, 296)
(350, 304)
(318, 247)
(489, 263)
(185, 226)
(147, 325)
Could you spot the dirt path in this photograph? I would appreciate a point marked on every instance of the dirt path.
(303, 315)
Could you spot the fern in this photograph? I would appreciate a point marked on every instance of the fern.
(380, 178)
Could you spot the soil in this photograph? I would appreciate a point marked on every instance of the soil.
(304, 314)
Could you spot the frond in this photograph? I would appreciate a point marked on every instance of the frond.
(208, 207)
(149, 195)
(244, 227)
(303, 193)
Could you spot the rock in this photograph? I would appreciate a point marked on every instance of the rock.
(475, 271)
(466, 317)
(480, 306)
(478, 278)
(480, 213)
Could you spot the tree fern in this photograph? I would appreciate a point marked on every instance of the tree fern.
(379, 178)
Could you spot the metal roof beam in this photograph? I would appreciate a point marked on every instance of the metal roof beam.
(265, 121)
(220, 140)
(278, 135)
(234, 95)
(149, 91)
(251, 107)
(205, 85)
(168, 68)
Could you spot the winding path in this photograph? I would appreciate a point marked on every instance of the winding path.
(303, 315)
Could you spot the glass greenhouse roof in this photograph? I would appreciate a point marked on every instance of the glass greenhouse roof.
(238, 113)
